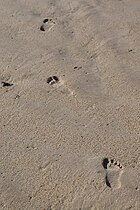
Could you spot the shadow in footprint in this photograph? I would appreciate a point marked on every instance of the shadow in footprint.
(42, 28)
(45, 20)
(105, 162)
(6, 84)
(107, 181)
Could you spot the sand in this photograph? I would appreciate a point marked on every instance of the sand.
(71, 142)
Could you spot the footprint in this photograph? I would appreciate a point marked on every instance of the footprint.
(114, 172)
(60, 84)
(6, 84)
(52, 80)
(47, 25)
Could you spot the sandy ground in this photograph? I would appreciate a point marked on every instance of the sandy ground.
(73, 144)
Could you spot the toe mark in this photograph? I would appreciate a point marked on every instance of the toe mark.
(45, 20)
(112, 161)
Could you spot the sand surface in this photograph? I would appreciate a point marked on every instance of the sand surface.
(73, 144)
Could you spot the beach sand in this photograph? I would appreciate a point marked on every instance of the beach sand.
(70, 142)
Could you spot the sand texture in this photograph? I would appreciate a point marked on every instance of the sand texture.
(69, 104)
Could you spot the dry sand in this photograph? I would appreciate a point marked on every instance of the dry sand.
(58, 140)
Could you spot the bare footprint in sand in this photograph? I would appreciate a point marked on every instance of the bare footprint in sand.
(114, 172)
(47, 25)
(52, 80)
(60, 84)
(5, 81)
(6, 84)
